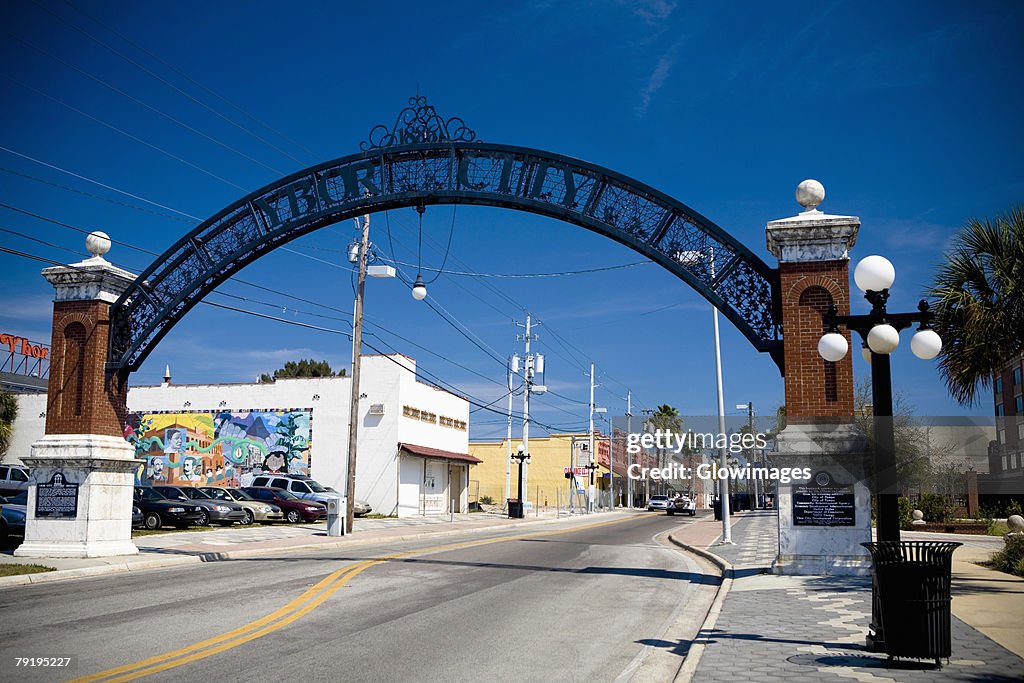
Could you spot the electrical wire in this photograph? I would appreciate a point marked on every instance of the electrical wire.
(164, 81)
(94, 182)
(184, 75)
(122, 132)
(136, 100)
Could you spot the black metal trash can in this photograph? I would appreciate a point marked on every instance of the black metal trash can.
(515, 508)
(717, 507)
(912, 585)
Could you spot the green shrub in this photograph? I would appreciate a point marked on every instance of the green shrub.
(1011, 558)
(486, 500)
(936, 508)
(1013, 508)
(905, 509)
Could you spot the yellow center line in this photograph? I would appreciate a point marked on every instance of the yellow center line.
(294, 610)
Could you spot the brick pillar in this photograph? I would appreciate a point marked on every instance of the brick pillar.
(814, 273)
(816, 537)
(82, 470)
(83, 397)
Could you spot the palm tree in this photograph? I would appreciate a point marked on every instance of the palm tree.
(667, 419)
(8, 411)
(978, 297)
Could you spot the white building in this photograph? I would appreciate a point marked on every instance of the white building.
(412, 456)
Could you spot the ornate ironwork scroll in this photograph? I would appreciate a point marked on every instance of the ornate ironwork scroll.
(399, 169)
(418, 123)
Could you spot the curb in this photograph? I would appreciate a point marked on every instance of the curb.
(178, 560)
(689, 668)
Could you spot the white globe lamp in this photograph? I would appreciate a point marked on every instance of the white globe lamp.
(874, 273)
(883, 339)
(419, 290)
(926, 344)
(833, 346)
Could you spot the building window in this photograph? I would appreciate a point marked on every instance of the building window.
(1002, 437)
(999, 386)
(1013, 461)
(1004, 463)
(409, 411)
(1016, 377)
(999, 410)
(1020, 431)
(1018, 403)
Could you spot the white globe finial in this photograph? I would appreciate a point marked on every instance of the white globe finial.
(98, 243)
(809, 194)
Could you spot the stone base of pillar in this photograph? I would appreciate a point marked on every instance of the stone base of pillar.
(103, 468)
(824, 519)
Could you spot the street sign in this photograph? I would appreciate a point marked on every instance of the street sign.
(576, 470)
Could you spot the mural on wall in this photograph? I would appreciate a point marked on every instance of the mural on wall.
(224, 448)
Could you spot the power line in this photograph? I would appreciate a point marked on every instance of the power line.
(187, 77)
(165, 81)
(122, 132)
(94, 182)
(155, 110)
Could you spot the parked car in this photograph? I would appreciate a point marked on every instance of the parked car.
(158, 511)
(255, 510)
(137, 517)
(306, 488)
(219, 511)
(12, 518)
(13, 480)
(295, 509)
(682, 504)
(658, 502)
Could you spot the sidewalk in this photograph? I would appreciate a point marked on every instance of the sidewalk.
(812, 628)
(171, 549)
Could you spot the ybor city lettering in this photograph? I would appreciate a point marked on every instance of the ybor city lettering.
(26, 348)
(487, 171)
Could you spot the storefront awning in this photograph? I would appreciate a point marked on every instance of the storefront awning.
(428, 452)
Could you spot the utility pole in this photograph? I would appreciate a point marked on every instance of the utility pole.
(531, 364)
(508, 456)
(629, 456)
(590, 436)
(357, 352)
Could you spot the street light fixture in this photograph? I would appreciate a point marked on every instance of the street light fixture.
(881, 331)
(691, 258)
(520, 457)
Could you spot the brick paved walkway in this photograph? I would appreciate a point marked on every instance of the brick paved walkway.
(804, 629)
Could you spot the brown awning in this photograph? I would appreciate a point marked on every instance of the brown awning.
(428, 452)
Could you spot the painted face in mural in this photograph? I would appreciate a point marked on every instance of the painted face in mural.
(156, 469)
(174, 441)
(275, 462)
(188, 470)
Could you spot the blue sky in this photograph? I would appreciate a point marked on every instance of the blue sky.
(909, 113)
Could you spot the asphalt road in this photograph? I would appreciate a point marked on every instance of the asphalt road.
(599, 599)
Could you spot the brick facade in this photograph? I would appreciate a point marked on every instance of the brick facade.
(814, 386)
(83, 397)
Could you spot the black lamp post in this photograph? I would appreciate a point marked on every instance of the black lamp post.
(592, 466)
(521, 458)
(880, 330)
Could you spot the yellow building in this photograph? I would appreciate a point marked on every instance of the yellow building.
(546, 484)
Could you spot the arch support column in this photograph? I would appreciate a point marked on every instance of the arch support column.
(82, 470)
(823, 519)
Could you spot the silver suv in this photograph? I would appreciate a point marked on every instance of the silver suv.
(309, 489)
(13, 480)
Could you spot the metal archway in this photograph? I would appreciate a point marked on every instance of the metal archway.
(425, 160)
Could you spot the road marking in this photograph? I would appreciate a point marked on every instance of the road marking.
(296, 609)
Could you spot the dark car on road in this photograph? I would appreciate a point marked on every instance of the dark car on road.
(157, 511)
(222, 512)
(295, 509)
(12, 515)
